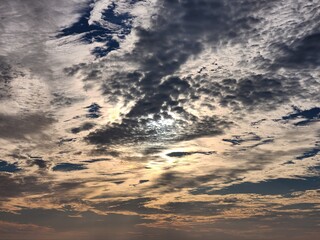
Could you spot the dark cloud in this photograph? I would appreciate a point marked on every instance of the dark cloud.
(61, 100)
(183, 154)
(103, 150)
(248, 138)
(66, 187)
(237, 139)
(71, 71)
(143, 181)
(310, 153)
(196, 208)
(257, 91)
(160, 53)
(66, 140)
(119, 182)
(17, 186)
(160, 95)
(7, 74)
(262, 92)
(96, 160)
(40, 163)
(5, 78)
(136, 205)
(298, 206)
(111, 225)
(153, 150)
(19, 126)
(172, 181)
(248, 162)
(84, 127)
(165, 98)
(258, 122)
(302, 54)
(161, 108)
(9, 187)
(133, 130)
(281, 186)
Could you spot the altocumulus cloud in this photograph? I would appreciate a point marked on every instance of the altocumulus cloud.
(206, 110)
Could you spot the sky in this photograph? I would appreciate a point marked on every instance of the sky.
(159, 119)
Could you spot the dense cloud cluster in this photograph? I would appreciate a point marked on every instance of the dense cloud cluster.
(180, 31)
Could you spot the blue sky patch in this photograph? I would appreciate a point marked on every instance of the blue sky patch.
(96, 32)
(68, 167)
(94, 111)
(306, 116)
(8, 167)
(308, 154)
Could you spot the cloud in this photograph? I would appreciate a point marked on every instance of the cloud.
(41, 164)
(303, 53)
(168, 81)
(310, 153)
(112, 25)
(7, 73)
(256, 92)
(156, 92)
(10, 230)
(12, 186)
(196, 208)
(84, 127)
(64, 226)
(274, 186)
(137, 205)
(149, 130)
(248, 140)
(183, 154)
(19, 127)
(24, 37)
(96, 160)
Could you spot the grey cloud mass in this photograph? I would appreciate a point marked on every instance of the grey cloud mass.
(179, 33)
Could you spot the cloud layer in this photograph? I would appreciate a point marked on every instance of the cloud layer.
(177, 119)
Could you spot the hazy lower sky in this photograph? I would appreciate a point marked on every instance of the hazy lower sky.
(159, 119)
